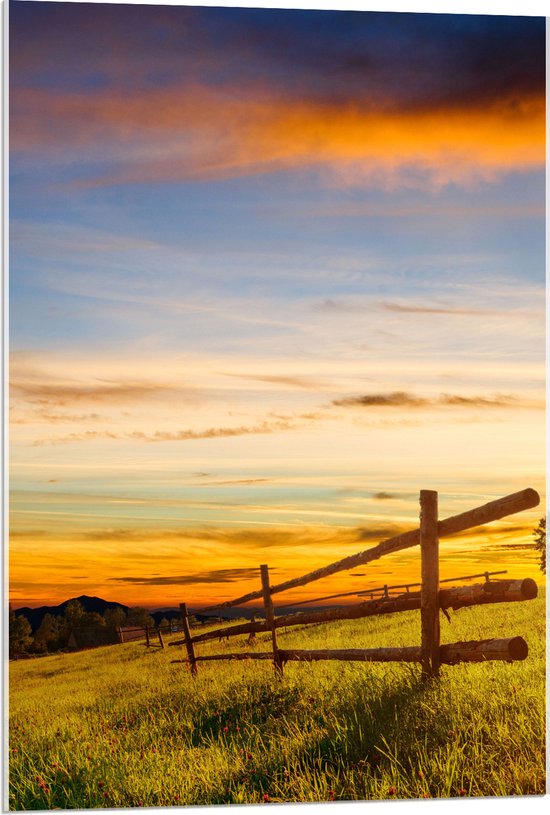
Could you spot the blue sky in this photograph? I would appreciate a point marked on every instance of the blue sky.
(266, 266)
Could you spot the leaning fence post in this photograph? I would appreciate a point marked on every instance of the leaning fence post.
(270, 617)
(147, 635)
(188, 640)
(161, 641)
(429, 595)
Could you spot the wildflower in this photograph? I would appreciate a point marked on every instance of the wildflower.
(225, 729)
(375, 757)
(267, 799)
(391, 790)
(237, 728)
(331, 795)
(249, 756)
(101, 784)
(426, 795)
(105, 794)
(462, 791)
(420, 774)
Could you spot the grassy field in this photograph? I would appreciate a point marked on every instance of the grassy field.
(121, 726)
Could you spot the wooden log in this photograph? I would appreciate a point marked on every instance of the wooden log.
(270, 617)
(503, 591)
(510, 650)
(492, 511)
(188, 640)
(429, 594)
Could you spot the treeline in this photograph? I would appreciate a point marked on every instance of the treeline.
(54, 631)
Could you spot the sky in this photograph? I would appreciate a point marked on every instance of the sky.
(271, 273)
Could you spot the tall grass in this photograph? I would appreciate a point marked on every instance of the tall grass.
(121, 726)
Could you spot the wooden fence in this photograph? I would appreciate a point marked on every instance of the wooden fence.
(430, 600)
(147, 633)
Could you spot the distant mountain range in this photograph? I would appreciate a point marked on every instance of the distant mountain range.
(97, 604)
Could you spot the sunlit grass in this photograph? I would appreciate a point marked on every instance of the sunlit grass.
(122, 726)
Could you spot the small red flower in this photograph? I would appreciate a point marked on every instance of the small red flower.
(101, 784)
(391, 790)
(426, 795)
(249, 756)
(462, 792)
(420, 774)
(267, 799)
(331, 795)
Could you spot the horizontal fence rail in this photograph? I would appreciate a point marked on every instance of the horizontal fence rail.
(430, 600)
(510, 649)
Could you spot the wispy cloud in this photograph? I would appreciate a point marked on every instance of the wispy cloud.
(213, 576)
(201, 133)
(470, 312)
(406, 399)
(278, 379)
(63, 394)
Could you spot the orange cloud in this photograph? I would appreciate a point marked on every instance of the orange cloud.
(200, 133)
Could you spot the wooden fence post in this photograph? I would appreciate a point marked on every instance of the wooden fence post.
(160, 637)
(120, 634)
(429, 596)
(188, 641)
(270, 618)
(147, 635)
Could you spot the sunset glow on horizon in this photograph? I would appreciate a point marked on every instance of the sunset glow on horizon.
(272, 273)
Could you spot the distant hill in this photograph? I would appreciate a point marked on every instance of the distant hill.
(36, 615)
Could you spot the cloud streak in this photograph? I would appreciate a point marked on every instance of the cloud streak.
(201, 133)
(396, 399)
(213, 576)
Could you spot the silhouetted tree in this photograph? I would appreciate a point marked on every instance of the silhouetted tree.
(540, 542)
(115, 616)
(139, 617)
(20, 634)
(74, 614)
(48, 633)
